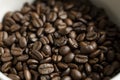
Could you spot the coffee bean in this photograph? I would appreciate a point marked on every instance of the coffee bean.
(37, 22)
(64, 50)
(10, 40)
(14, 27)
(60, 24)
(66, 78)
(40, 31)
(44, 40)
(88, 68)
(14, 77)
(81, 37)
(56, 78)
(6, 57)
(19, 66)
(95, 76)
(65, 31)
(37, 45)
(22, 57)
(17, 16)
(76, 75)
(47, 60)
(16, 51)
(62, 65)
(88, 47)
(66, 72)
(69, 57)
(23, 42)
(73, 66)
(69, 22)
(45, 68)
(6, 66)
(49, 28)
(94, 54)
(27, 74)
(61, 41)
(81, 58)
(52, 16)
(91, 36)
(47, 49)
(72, 34)
(56, 58)
(110, 55)
(108, 70)
(45, 77)
(36, 54)
(73, 43)
(62, 14)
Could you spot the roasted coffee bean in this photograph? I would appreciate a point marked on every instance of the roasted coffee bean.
(10, 40)
(65, 31)
(40, 31)
(91, 36)
(13, 71)
(22, 57)
(56, 58)
(37, 22)
(44, 40)
(66, 78)
(19, 66)
(62, 14)
(93, 61)
(47, 49)
(73, 43)
(62, 65)
(69, 57)
(61, 41)
(60, 24)
(14, 77)
(72, 34)
(66, 72)
(88, 68)
(6, 66)
(45, 68)
(73, 66)
(81, 58)
(108, 70)
(16, 51)
(14, 27)
(94, 54)
(110, 55)
(37, 45)
(45, 77)
(52, 16)
(69, 22)
(36, 54)
(56, 78)
(49, 28)
(23, 42)
(95, 76)
(88, 47)
(81, 37)
(6, 57)
(64, 50)
(27, 74)
(76, 75)
(47, 60)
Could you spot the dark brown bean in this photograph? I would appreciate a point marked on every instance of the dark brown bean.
(76, 75)
(45, 68)
(16, 51)
(81, 58)
(69, 57)
(14, 76)
(64, 50)
(66, 78)
(6, 66)
(23, 42)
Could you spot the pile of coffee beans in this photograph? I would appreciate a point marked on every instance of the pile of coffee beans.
(59, 40)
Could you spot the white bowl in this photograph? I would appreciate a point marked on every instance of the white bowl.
(111, 7)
